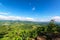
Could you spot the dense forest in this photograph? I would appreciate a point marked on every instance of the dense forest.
(26, 30)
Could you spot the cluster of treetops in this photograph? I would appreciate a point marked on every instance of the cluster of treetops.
(21, 32)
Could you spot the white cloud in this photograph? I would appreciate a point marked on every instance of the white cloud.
(3, 13)
(42, 20)
(2, 17)
(56, 18)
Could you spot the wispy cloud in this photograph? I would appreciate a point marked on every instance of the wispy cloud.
(1, 5)
(2, 17)
(56, 18)
(4, 13)
(33, 8)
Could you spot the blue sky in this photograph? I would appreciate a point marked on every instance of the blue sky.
(38, 10)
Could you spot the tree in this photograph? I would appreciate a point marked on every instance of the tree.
(51, 26)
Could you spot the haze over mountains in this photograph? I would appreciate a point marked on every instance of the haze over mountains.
(4, 17)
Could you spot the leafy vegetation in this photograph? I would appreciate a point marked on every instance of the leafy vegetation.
(19, 30)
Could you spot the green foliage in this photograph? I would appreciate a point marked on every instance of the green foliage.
(24, 31)
(52, 27)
